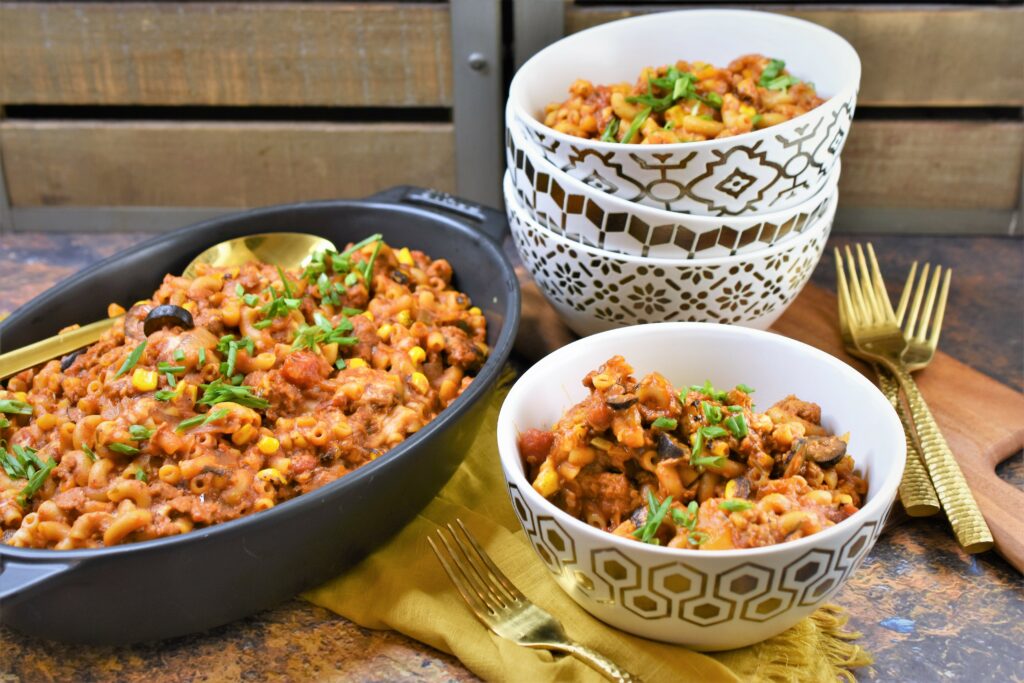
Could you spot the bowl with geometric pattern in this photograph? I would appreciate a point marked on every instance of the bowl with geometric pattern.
(704, 599)
(764, 170)
(576, 210)
(594, 290)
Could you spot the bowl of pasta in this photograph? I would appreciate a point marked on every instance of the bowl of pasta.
(748, 114)
(699, 484)
(572, 208)
(594, 289)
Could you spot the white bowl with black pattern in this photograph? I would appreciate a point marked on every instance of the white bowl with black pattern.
(765, 170)
(705, 599)
(575, 210)
(594, 290)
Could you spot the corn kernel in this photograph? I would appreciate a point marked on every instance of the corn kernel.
(272, 475)
(242, 436)
(114, 310)
(190, 306)
(46, 421)
(417, 354)
(21, 396)
(403, 318)
(268, 445)
(475, 311)
(368, 315)
(384, 331)
(435, 341)
(419, 381)
(747, 110)
(144, 380)
(730, 489)
(404, 257)
(720, 449)
(355, 363)
(845, 499)
(546, 483)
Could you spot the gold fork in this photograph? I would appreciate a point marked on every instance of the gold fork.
(502, 607)
(916, 490)
(875, 331)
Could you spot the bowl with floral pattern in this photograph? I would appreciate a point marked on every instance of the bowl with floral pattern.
(764, 170)
(594, 290)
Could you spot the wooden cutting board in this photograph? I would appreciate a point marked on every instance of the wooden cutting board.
(982, 420)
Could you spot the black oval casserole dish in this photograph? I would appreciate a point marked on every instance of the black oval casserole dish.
(172, 586)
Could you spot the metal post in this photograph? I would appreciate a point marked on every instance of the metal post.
(479, 99)
(538, 23)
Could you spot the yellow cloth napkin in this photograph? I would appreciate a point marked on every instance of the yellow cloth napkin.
(402, 587)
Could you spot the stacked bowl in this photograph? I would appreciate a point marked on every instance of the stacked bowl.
(723, 230)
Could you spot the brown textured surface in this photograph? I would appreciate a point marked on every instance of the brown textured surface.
(927, 610)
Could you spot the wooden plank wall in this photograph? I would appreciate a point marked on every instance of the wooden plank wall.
(939, 126)
(166, 104)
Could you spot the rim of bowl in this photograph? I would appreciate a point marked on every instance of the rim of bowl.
(539, 161)
(512, 201)
(509, 455)
(843, 92)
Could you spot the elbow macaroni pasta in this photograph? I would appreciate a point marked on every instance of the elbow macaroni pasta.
(281, 387)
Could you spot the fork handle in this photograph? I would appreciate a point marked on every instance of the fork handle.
(916, 490)
(968, 524)
(595, 660)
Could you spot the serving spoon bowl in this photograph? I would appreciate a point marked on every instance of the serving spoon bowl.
(284, 249)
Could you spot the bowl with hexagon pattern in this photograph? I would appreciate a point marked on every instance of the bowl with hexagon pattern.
(768, 169)
(704, 599)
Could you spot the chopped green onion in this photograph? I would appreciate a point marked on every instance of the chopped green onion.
(782, 83)
(611, 130)
(340, 363)
(697, 538)
(707, 460)
(217, 392)
(712, 413)
(35, 482)
(202, 356)
(123, 448)
(284, 283)
(179, 355)
(88, 452)
(4, 423)
(635, 126)
(712, 99)
(140, 433)
(239, 289)
(666, 423)
(132, 359)
(140, 474)
(735, 409)
(713, 432)
(9, 405)
(745, 388)
(164, 395)
(737, 424)
(172, 369)
(263, 324)
(756, 119)
(688, 518)
(771, 72)
(351, 279)
(351, 311)
(199, 420)
(735, 505)
(171, 382)
(655, 514)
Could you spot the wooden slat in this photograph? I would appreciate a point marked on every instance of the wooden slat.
(207, 53)
(58, 163)
(935, 56)
(933, 164)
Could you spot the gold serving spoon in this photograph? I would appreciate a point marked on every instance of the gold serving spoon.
(284, 249)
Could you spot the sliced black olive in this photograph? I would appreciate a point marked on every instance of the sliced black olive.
(825, 450)
(621, 401)
(67, 360)
(669, 448)
(167, 316)
(742, 489)
(639, 516)
(399, 277)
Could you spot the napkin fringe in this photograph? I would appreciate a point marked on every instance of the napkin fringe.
(784, 655)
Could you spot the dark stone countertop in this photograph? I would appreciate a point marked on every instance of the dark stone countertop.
(927, 610)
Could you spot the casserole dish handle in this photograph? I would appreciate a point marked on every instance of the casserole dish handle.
(486, 220)
(18, 578)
